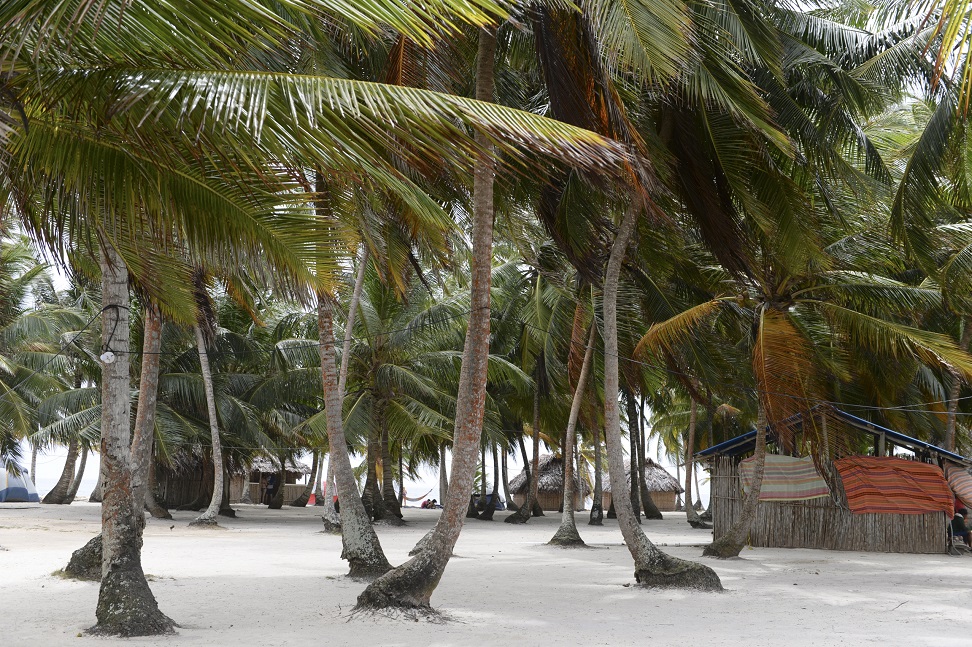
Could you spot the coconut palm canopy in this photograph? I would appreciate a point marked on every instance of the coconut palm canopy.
(551, 478)
(656, 477)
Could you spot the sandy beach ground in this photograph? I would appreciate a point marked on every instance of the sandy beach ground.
(272, 578)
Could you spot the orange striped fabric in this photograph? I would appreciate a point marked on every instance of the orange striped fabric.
(960, 481)
(881, 484)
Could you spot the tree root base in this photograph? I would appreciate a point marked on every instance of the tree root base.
(227, 512)
(300, 502)
(722, 549)
(672, 573)
(520, 516)
(127, 608)
(367, 573)
(203, 523)
(567, 537)
(85, 562)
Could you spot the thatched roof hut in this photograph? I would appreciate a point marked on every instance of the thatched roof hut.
(264, 465)
(664, 487)
(550, 492)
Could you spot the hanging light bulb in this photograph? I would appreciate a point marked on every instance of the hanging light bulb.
(107, 357)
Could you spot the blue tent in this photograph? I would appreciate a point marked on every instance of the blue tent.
(16, 488)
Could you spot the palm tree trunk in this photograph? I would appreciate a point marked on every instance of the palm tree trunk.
(126, 606)
(371, 497)
(411, 585)
(59, 493)
(361, 547)
(530, 505)
(635, 491)
(567, 534)
(487, 514)
(731, 543)
(352, 313)
(956, 388)
(33, 463)
(652, 566)
(691, 514)
(208, 517)
(647, 503)
(319, 482)
(96, 493)
(148, 391)
(73, 491)
(277, 496)
(330, 516)
(154, 507)
(504, 473)
(301, 501)
(443, 474)
(391, 500)
(597, 504)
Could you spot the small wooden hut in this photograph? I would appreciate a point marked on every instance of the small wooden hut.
(828, 521)
(550, 493)
(189, 479)
(662, 486)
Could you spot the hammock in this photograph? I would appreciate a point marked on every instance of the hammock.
(785, 478)
(889, 485)
(961, 483)
(420, 498)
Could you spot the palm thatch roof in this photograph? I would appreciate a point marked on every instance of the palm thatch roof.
(551, 478)
(264, 464)
(657, 479)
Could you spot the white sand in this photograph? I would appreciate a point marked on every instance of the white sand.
(271, 578)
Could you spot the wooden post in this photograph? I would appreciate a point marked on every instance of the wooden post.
(881, 445)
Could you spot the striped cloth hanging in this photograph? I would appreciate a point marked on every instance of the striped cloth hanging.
(960, 481)
(883, 484)
(785, 478)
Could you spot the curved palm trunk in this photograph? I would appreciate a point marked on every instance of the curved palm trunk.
(148, 391)
(301, 501)
(95, 496)
(208, 517)
(59, 493)
(73, 491)
(361, 547)
(730, 544)
(567, 534)
(126, 606)
(652, 566)
(597, 505)
(391, 500)
(411, 585)
(956, 388)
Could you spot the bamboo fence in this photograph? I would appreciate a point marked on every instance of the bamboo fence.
(820, 523)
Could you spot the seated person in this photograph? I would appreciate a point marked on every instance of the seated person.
(959, 527)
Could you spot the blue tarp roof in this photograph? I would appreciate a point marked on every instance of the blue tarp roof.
(746, 442)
